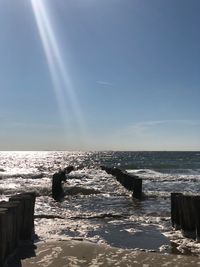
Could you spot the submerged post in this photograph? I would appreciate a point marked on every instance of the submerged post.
(137, 188)
(176, 210)
(130, 182)
(196, 205)
(187, 217)
(3, 235)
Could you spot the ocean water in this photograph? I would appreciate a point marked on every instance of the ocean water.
(96, 207)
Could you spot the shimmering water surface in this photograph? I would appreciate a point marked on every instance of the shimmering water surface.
(96, 207)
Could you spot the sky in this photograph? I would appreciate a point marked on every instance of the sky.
(99, 75)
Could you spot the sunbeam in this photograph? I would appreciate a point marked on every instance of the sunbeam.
(59, 72)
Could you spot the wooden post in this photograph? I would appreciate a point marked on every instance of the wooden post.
(137, 188)
(27, 231)
(19, 218)
(18, 198)
(127, 181)
(117, 173)
(196, 205)
(16, 222)
(175, 210)
(187, 218)
(121, 178)
(32, 208)
(27, 204)
(3, 235)
(13, 210)
(130, 182)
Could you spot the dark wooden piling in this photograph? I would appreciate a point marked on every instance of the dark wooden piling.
(12, 210)
(16, 223)
(137, 188)
(130, 182)
(185, 214)
(126, 180)
(196, 206)
(19, 202)
(187, 219)
(3, 235)
(120, 177)
(27, 221)
(175, 210)
(30, 207)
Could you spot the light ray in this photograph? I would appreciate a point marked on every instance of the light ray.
(59, 74)
(48, 53)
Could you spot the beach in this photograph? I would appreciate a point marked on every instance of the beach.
(80, 253)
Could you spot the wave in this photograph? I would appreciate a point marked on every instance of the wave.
(156, 172)
(170, 176)
(144, 171)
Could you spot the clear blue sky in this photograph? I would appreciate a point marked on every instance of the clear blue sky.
(96, 75)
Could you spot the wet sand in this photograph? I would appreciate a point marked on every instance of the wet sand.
(80, 253)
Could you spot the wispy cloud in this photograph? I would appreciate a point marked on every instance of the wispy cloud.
(105, 83)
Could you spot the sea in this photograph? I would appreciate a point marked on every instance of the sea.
(96, 207)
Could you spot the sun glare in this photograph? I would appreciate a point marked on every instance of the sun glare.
(58, 69)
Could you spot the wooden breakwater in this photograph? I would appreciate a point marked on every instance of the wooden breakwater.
(185, 214)
(130, 182)
(16, 223)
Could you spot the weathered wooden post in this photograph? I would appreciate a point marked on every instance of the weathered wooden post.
(32, 208)
(196, 205)
(16, 222)
(137, 188)
(3, 235)
(20, 211)
(11, 225)
(175, 210)
(108, 170)
(128, 181)
(26, 220)
(131, 182)
(116, 172)
(121, 178)
(187, 219)
(27, 231)
(20, 219)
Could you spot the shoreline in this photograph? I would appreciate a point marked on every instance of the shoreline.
(83, 253)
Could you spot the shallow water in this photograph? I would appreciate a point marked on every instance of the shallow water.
(96, 207)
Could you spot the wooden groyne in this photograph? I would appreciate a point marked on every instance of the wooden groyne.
(130, 182)
(185, 214)
(16, 223)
